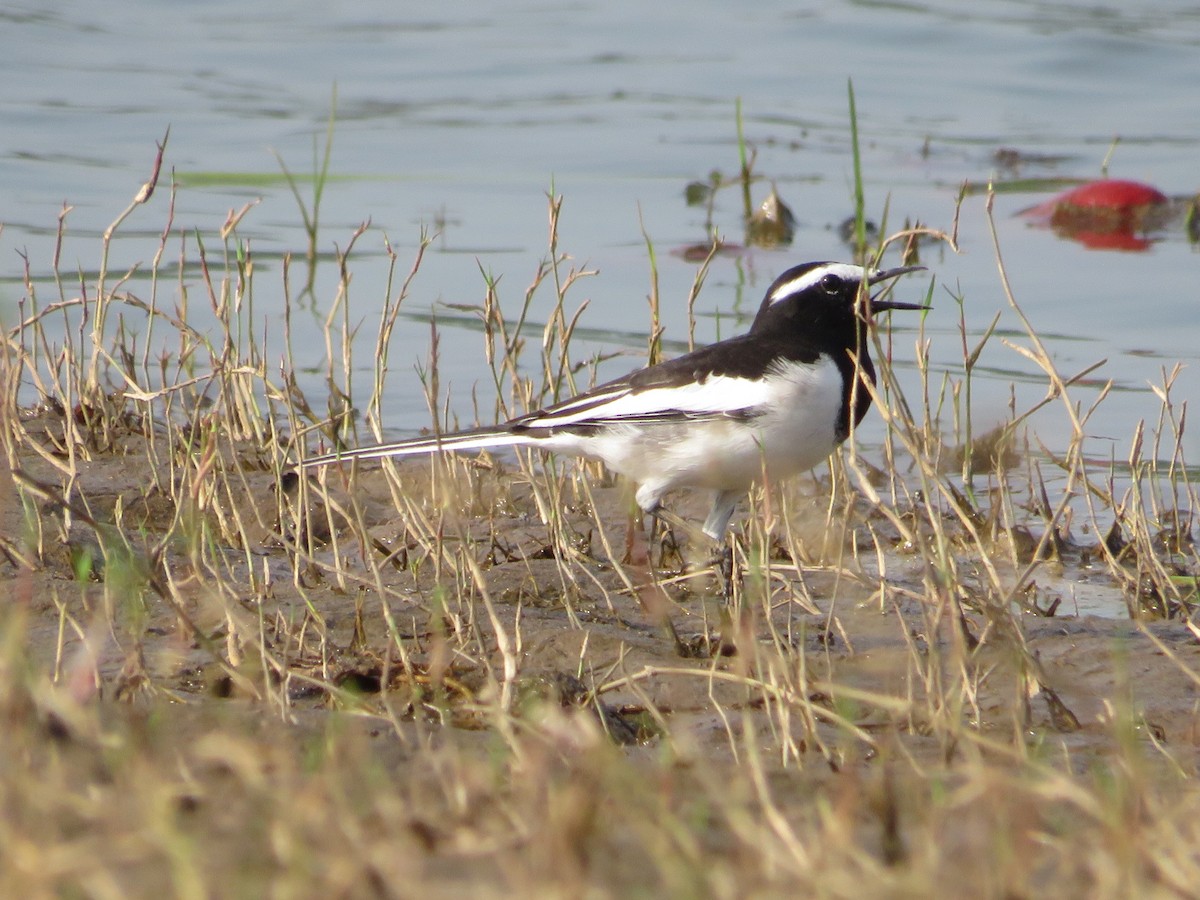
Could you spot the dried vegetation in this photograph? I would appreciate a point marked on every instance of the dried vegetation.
(216, 679)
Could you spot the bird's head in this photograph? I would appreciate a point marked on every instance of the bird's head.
(822, 299)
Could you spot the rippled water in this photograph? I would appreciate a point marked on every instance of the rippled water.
(464, 115)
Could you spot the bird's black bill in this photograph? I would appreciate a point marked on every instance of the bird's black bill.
(883, 275)
(884, 305)
(888, 274)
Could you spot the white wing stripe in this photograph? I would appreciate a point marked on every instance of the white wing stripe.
(586, 402)
(717, 394)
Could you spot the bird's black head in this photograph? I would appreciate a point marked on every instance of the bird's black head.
(819, 300)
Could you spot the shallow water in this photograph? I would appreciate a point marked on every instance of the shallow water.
(463, 117)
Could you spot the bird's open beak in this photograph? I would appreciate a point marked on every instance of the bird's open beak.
(883, 275)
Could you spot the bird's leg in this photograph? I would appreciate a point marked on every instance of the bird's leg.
(648, 592)
(723, 560)
(639, 540)
(635, 524)
(665, 524)
(716, 526)
(731, 625)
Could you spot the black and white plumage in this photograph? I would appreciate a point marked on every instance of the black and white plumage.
(777, 399)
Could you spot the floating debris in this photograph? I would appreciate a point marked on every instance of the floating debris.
(772, 224)
(1109, 214)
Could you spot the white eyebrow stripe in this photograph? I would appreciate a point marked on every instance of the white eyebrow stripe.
(845, 271)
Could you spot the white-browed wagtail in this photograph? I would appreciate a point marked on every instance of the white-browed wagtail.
(776, 400)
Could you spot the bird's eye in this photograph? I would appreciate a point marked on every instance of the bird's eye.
(831, 284)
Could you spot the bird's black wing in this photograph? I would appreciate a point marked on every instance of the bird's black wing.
(722, 380)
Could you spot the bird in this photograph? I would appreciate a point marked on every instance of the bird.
(776, 400)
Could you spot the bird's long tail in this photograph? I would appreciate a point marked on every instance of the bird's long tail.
(477, 439)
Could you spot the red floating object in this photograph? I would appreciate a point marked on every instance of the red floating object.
(1107, 214)
(1111, 193)
(1107, 194)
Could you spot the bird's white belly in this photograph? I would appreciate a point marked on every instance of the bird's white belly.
(793, 430)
